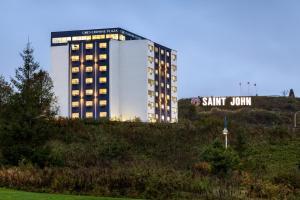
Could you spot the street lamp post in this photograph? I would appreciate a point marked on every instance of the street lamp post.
(225, 132)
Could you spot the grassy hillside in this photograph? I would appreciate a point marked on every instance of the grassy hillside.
(172, 161)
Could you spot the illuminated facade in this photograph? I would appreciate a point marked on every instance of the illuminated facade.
(115, 74)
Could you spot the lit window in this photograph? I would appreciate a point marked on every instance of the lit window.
(89, 57)
(162, 95)
(162, 62)
(168, 97)
(75, 69)
(89, 69)
(151, 82)
(156, 82)
(151, 105)
(151, 93)
(168, 118)
(163, 106)
(102, 80)
(98, 37)
(156, 71)
(162, 117)
(162, 85)
(102, 56)
(103, 91)
(89, 46)
(150, 70)
(156, 49)
(150, 47)
(150, 59)
(168, 75)
(89, 92)
(75, 115)
(168, 64)
(75, 104)
(122, 37)
(112, 36)
(174, 78)
(85, 37)
(168, 107)
(75, 58)
(156, 60)
(75, 92)
(61, 40)
(174, 89)
(156, 94)
(156, 105)
(75, 47)
(102, 68)
(103, 114)
(168, 86)
(168, 53)
(174, 57)
(89, 80)
(75, 81)
(162, 51)
(102, 103)
(103, 45)
(89, 114)
(89, 103)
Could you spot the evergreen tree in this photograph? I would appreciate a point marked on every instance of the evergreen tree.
(26, 124)
(5, 92)
(292, 94)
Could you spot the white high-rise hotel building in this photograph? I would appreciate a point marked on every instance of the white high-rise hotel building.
(113, 73)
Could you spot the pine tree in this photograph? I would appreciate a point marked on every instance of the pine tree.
(26, 126)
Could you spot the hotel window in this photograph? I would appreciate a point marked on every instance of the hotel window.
(89, 92)
(150, 47)
(156, 71)
(168, 86)
(89, 114)
(75, 92)
(150, 59)
(103, 45)
(89, 103)
(162, 95)
(103, 114)
(89, 80)
(122, 37)
(156, 60)
(174, 99)
(89, 57)
(162, 85)
(162, 106)
(75, 69)
(174, 68)
(151, 105)
(174, 78)
(151, 93)
(168, 97)
(103, 91)
(150, 70)
(168, 53)
(174, 57)
(162, 62)
(162, 117)
(102, 56)
(156, 82)
(88, 69)
(102, 103)
(75, 104)
(75, 81)
(75, 58)
(168, 107)
(75, 47)
(151, 82)
(61, 40)
(168, 118)
(174, 89)
(156, 105)
(75, 115)
(162, 51)
(89, 46)
(102, 68)
(112, 36)
(156, 94)
(102, 80)
(86, 37)
(98, 37)
(168, 64)
(156, 49)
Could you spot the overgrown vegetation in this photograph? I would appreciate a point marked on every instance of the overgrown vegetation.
(186, 160)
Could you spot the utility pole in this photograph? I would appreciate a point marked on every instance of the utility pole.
(225, 132)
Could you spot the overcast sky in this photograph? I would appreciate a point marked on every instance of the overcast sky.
(219, 43)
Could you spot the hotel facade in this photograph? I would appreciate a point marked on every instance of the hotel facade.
(113, 73)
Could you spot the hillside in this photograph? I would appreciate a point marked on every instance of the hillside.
(171, 161)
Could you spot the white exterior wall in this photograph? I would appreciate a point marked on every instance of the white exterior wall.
(174, 103)
(60, 75)
(128, 79)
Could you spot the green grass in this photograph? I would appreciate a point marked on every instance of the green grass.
(7, 194)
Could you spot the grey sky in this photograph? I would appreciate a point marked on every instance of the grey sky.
(220, 43)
